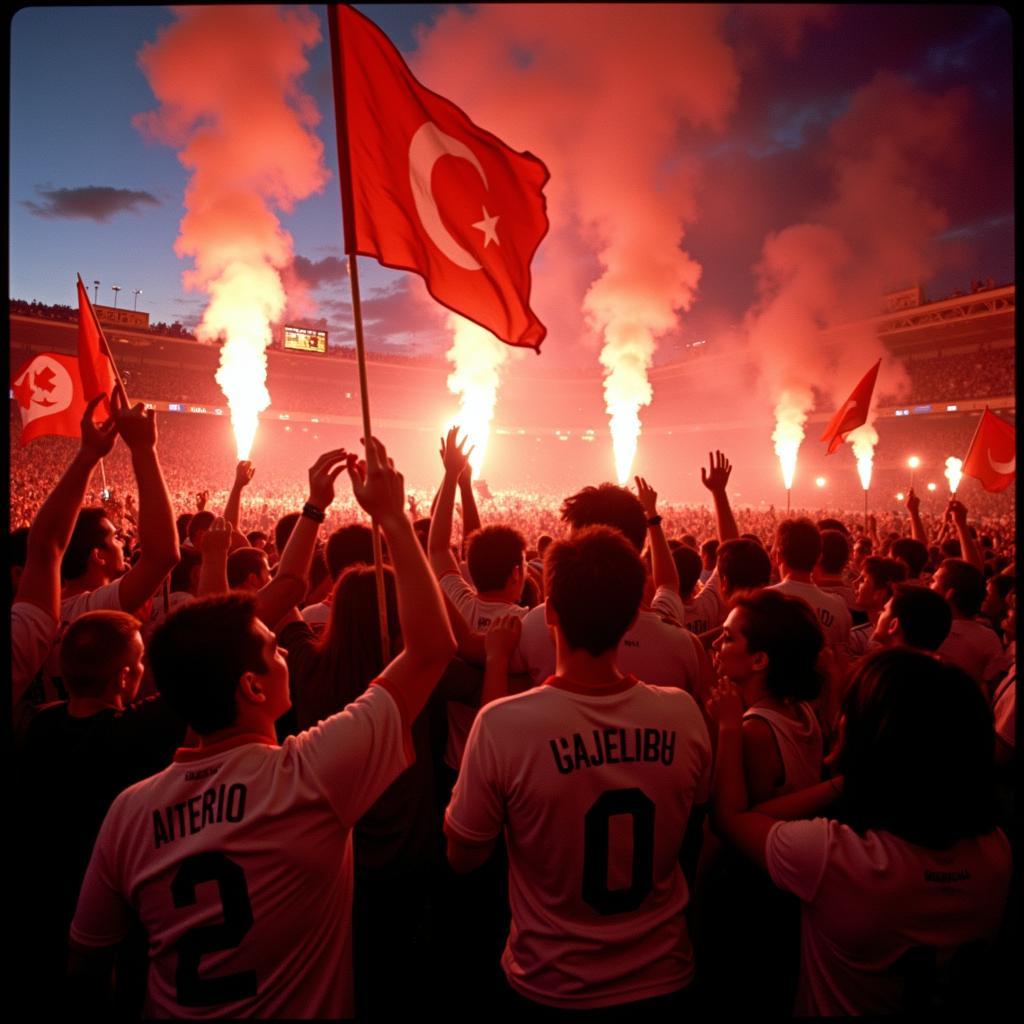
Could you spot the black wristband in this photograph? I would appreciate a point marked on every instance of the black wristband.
(654, 521)
(312, 512)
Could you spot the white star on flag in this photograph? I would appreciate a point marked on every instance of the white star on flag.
(489, 227)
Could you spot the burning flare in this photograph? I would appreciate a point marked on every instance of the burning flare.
(626, 389)
(477, 356)
(789, 432)
(953, 472)
(863, 441)
(230, 103)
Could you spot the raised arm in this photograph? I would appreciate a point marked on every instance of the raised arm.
(243, 475)
(426, 632)
(663, 565)
(917, 530)
(470, 513)
(158, 536)
(969, 547)
(55, 521)
(288, 586)
(213, 571)
(439, 539)
(715, 479)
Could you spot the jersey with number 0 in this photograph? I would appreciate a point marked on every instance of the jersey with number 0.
(594, 792)
(238, 862)
(878, 909)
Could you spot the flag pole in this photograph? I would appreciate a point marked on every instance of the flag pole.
(103, 342)
(348, 227)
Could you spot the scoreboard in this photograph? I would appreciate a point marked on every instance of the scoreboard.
(305, 339)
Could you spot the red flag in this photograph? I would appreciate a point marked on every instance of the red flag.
(426, 190)
(48, 390)
(854, 413)
(95, 364)
(992, 457)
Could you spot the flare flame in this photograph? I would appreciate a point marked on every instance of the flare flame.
(789, 432)
(953, 472)
(863, 441)
(477, 356)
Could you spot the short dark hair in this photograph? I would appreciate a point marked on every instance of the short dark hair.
(349, 545)
(181, 574)
(607, 505)
(318, 571)
(199, 653)
(491, 554)
(1002, 584)
(917, 755)
(200, 521)
(255, 536)
(912, 552)
(688, 565)
(87, 536)
(18, 550)
(834, 524)
(283, 529)
(709, 552)
(799, 544)
(595, 582)
(543, 542)
(182, 523)
(787, 630)
(925, 616)
(835, 551)
(950, 548)
(743, 564)
(92, 650)
(689, 540)
(968, 586)
(884, 572)
(242, 562)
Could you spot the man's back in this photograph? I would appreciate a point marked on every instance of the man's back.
(596, 791)
(831, 609)
(271, 827)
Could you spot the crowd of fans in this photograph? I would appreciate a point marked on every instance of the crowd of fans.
(983, 373)
(600, 757)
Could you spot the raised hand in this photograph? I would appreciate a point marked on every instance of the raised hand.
(97, 439)
(136, 425)
(716, 477)
(243, 473)
(380, 489)
(913, 503)
(958, 512)
(648, 496)
(453, 456)
(216, 540)
(725, 706)
(503, 637)
(202, 497)
(322, 475)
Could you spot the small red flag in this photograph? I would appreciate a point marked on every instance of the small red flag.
(97, 370)
(427, 190)
(992, 457)
(48, 390)
(854, 413)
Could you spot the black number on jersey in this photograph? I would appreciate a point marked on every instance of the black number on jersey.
(945, 980)
(640, 809)
(234, 898)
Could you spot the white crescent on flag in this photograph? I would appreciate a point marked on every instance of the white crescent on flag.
(428, 145)
(1001, 467)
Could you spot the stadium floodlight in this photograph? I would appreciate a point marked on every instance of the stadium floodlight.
(95, 291)
(138, 292)
(115, 288)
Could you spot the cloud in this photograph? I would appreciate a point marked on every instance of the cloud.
(93, 202)
(320, 273)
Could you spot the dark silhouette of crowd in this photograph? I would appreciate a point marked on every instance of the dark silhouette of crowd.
(315, 746)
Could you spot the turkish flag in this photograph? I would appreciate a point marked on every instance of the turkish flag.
(48, 390)
(425, 189)
(854, 413)
(992, 457)
(97, 370)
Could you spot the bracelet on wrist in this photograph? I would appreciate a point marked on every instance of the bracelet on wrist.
(654, 521)
(312, 512)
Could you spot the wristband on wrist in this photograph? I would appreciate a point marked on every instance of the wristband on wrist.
(654, 521)
(312, 512)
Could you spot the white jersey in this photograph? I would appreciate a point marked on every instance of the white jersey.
(33, 631)
(976, 649)
(799, 743)
(594, 792)
(316, 614)
(271, 826)
(706, 610)
(835, 618)
(861, 640)
(1004, 704)
(478, 615)
(870, 900)
(657, 649)
(841, 590)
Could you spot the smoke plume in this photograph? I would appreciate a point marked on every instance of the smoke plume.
(877, 232)
(227, 80)
(604, 106)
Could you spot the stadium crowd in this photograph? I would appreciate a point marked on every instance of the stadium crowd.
(983, 373)
(605, 759)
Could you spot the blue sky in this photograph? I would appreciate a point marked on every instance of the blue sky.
(76, 85)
